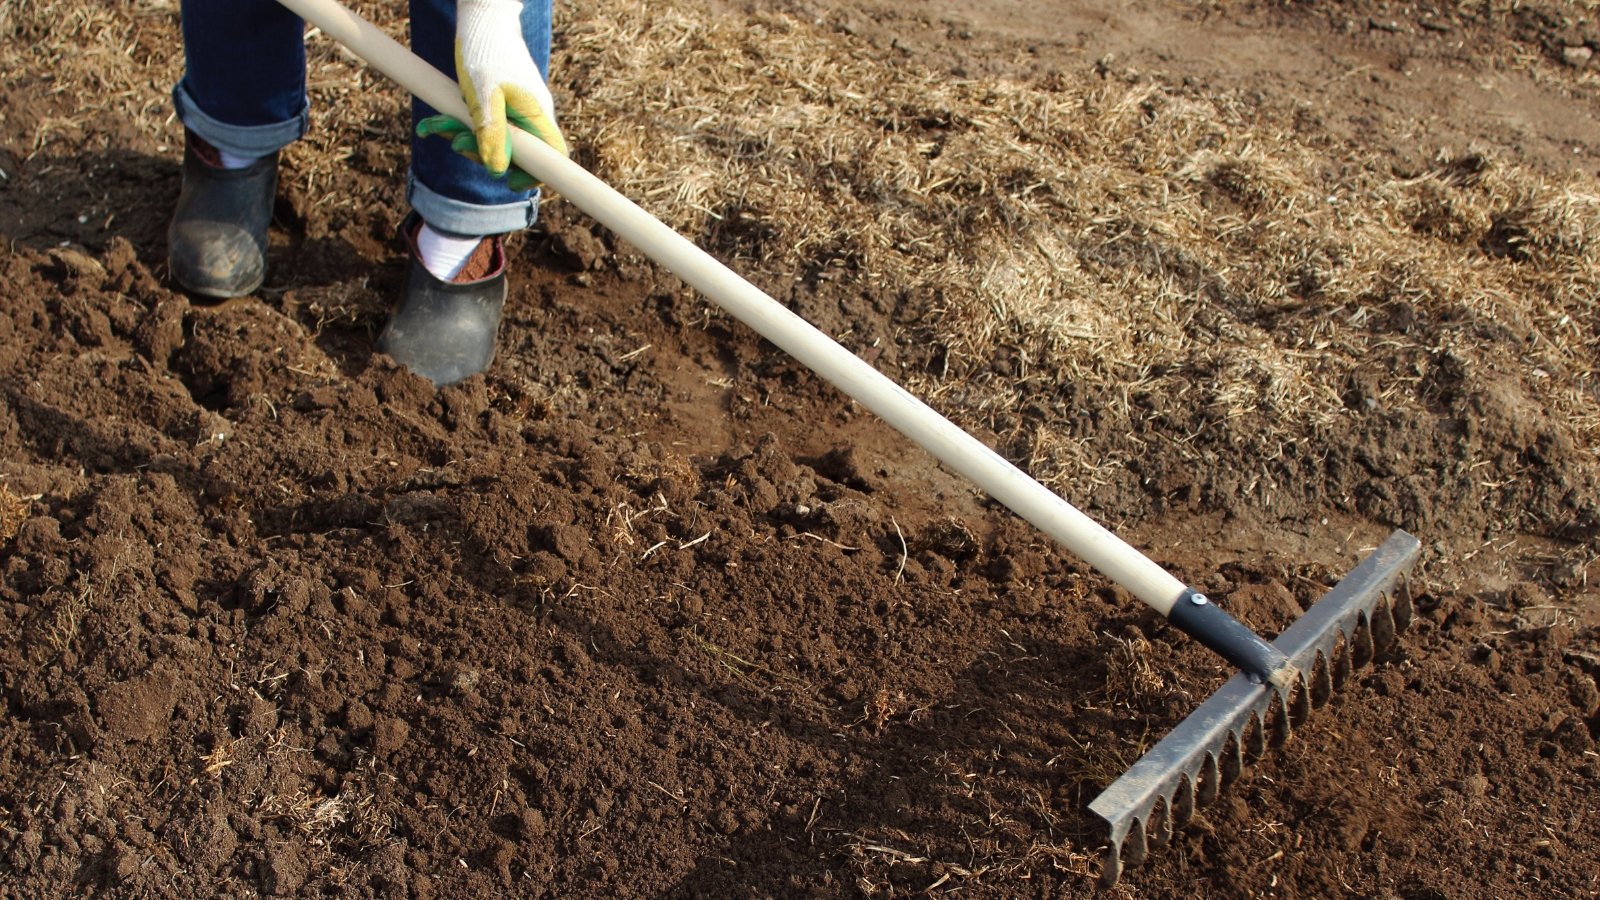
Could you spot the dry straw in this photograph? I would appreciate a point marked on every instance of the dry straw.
(1118, 236)
(13, 511)
(1124, 237)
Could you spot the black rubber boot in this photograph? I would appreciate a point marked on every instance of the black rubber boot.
(446, 331)
(217, 242)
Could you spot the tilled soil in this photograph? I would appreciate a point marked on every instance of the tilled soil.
(650, 611)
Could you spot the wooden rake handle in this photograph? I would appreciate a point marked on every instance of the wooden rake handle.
(916, 420)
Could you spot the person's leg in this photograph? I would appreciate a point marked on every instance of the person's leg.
(242, 99)
(452, 193)
(448, 318)
(244, 84)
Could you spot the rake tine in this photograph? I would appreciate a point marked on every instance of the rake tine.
(1160, 828)
(1232, 761)
(1340, 665)
(1183, 811)
(1300, 706)
(1208, 745)
(1280, 721)
(1362, 650)
(1383, 627)
(1210, 781)
(1255, 739)
(1321, 681)
(1138, 845)
(1400, 601)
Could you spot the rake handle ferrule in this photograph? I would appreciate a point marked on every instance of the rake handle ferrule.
(1210, 624)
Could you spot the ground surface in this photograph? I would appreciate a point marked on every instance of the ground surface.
(648, 610)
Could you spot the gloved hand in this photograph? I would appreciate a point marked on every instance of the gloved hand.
(500, 82)
(464, 142)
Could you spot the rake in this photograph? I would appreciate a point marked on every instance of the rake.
(1278, 682)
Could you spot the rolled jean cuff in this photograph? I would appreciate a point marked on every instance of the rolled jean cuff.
(240, 140)
(469, 219)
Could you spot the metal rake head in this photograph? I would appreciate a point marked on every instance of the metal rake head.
(1355, 620)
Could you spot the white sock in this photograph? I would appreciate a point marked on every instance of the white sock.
(234, 161)
(443, 255)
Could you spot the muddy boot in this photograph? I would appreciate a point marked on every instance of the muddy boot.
(217, 242)
(445, 331)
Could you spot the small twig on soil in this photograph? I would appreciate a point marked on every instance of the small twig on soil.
(904, 552)
(724, 656)
(219, 759)
(818, 537)
(697, 540)
(576, 587)
(900, 855)
(675, 795)
(1576, 655)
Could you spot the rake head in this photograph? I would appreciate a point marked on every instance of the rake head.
(1355, 620)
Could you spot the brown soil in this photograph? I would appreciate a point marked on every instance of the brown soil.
(649, 611)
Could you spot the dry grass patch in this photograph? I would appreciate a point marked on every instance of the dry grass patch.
(1128, 237)
(13, 510)
(65, 619)
(1131, 678)
(350, 819)
(1121, 236)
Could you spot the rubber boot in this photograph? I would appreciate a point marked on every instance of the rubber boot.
(217, 242)
(445, 331)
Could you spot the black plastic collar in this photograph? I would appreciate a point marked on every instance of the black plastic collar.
(1209, 624)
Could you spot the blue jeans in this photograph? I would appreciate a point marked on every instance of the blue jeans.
(244, 91)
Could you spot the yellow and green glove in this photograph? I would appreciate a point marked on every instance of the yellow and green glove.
(502, 87)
